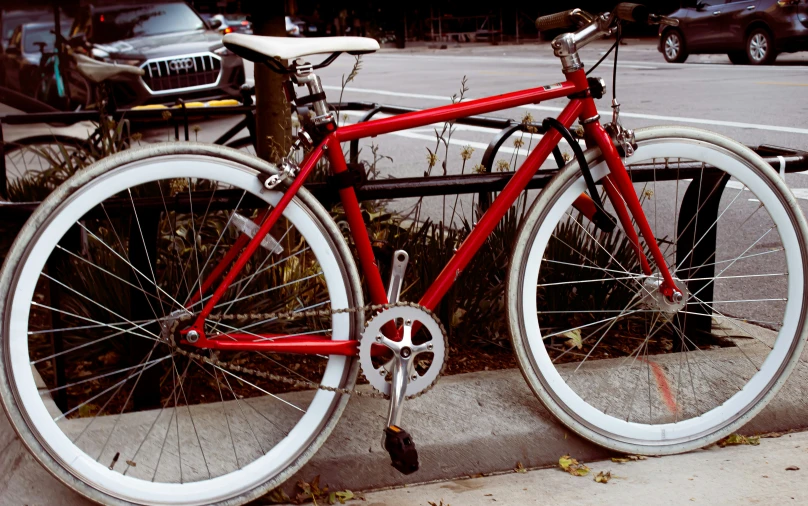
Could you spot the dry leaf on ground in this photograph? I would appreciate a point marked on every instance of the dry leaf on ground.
(572, 466)
(792, 468)
(575, 339)
(628, 458)
(520, 468)
(602, 477)
(737, 439)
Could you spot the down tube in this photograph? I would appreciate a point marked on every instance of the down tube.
(498, 208)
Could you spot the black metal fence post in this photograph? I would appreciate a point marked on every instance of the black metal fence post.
(696, 251)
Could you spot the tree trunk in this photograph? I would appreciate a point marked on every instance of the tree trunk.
(273, 117)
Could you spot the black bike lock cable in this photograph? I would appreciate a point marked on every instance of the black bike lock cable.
(601, 218)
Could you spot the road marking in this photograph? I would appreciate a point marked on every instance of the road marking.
(781, 84)
(678, 119)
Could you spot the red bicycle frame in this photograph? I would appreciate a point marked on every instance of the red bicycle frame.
(618, 186)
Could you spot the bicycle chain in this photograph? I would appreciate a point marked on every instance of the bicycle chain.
(292, 315)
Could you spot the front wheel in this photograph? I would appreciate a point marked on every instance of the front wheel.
(619, 363)
(91, 374)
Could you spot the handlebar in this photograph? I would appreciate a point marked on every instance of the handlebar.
(631, 12)
(593, 27)
(564, 19)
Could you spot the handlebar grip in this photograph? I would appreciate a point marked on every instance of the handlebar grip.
(558, 20)
(635, 13)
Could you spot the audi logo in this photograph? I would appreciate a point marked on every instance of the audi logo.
(181, 64)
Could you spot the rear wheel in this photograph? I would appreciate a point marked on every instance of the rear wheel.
(618, 362)
(760, 47)
(90, 378)
(673, 47)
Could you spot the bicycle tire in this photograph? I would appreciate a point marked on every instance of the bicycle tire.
(72, 463)
(567, 281)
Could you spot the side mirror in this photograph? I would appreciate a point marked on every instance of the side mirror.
(215, 23)
(700, 6)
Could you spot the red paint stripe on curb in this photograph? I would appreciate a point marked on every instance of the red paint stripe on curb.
(663, 385)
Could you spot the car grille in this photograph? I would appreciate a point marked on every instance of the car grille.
(178, 73)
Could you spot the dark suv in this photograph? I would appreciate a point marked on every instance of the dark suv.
(749, 31)
(180, 55)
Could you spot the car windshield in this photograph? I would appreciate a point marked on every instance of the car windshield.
(42, 33)
(139, 21)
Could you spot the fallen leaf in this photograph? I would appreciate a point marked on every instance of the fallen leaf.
(457, 317)
(572, 466)
(628, 458)
(602, 477)
(574, 338)
(520, 468)
(737, 439)
(792, 468)
(131, 463)
(344, 495)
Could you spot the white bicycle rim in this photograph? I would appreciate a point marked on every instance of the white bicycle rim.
(670, 437)
(41, 423)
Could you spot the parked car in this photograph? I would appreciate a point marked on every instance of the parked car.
(299, 27)
(20, 61)
(11, 19)
(748, 31)
(180, 55)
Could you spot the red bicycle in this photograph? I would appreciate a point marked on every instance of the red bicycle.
(654, 297)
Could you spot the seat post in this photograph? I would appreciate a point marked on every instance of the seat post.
(304, 75)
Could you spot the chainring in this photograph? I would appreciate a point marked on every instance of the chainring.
(377, 375)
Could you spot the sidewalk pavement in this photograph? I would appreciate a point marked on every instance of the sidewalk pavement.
(733, 475)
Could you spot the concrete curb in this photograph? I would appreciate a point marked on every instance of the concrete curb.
(469, 424)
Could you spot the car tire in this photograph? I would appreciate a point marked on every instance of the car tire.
(673, 47)
(738, 57)
(760, 47)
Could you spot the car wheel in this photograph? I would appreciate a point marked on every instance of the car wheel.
(738, 58)
(673, 47)
(760, 47)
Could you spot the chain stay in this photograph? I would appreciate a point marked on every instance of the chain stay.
(291, 315)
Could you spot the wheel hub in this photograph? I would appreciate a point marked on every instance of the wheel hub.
(653, 298)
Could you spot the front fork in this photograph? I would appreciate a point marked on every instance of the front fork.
(620, 191)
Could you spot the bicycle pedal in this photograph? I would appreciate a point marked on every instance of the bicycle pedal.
(401, 447)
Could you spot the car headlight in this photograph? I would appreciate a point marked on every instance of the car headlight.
(222, 51)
